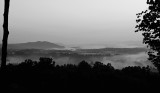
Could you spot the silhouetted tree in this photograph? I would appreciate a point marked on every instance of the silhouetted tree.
(84, 65)
(45, 63)
(28, 63)
(5, 34)
(103, 67)
(44, 76)
(149, 23)
(98, 65)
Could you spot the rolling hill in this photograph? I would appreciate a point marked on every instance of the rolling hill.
(34, 45)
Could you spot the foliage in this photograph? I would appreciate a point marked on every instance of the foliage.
(149, 24)
(44, 75)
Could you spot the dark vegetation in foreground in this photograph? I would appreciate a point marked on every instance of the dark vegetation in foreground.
(45, 76)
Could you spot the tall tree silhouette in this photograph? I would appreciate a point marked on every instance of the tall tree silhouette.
(149, 23)
(5, 34)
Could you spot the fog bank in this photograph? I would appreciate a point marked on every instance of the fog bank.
(118, 61)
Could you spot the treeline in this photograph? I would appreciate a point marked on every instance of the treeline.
(114, 50)
(44, 76)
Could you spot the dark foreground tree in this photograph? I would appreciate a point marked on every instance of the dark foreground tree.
(5, 34)
(149, 24)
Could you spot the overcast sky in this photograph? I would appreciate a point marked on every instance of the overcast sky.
(73, 21)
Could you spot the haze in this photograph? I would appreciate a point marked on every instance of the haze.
(73, 21)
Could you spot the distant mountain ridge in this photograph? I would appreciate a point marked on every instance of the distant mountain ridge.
(34, 45)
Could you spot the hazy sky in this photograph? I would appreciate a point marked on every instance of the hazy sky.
(73, 21)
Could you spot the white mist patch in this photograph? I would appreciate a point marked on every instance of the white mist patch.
(117, 61)
(92, 47)
(121, 61)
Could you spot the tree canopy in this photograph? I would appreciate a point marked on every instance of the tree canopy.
(148, 22)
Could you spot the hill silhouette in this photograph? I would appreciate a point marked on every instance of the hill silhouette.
(34, 45)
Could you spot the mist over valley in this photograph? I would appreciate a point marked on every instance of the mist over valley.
(118, 57)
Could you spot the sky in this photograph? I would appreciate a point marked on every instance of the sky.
(73, 21)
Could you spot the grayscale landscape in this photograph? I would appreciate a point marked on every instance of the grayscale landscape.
(119, 57)
(54, 46)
